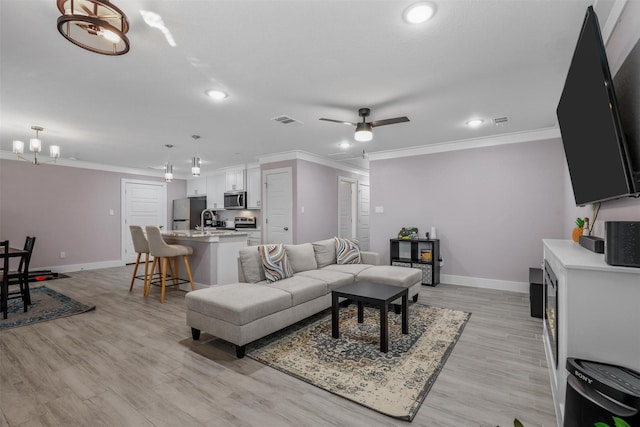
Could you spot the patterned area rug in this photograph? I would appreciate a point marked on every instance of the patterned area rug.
(395, 383)
(47, 304)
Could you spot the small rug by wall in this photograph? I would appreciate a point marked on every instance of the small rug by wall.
(353, 367)
(46, 304)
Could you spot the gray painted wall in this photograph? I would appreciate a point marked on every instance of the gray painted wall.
(490, 206)
(318, 193)
(67, 209)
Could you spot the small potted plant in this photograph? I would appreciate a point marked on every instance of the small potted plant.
(577, 231)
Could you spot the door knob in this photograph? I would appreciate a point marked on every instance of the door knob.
(286, 229)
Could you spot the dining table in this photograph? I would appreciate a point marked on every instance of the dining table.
(14, 253)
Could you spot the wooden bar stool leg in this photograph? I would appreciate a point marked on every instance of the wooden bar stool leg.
(135, 270)
(177, 272)
(186, 266)
(165, 261)
(147, 282)
(146, 267)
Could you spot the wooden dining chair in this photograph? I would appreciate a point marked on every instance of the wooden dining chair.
(20, 277)
(4, 272)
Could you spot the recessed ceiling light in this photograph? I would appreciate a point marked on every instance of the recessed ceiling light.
(216, 94)
(474, 122)
(344, 145)
(419, 12)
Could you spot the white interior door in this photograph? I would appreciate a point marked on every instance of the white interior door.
(143, 203)
(347, 208)
(278, 206)
(363, 217)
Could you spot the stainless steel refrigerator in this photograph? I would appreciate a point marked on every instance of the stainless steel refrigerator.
(186, 212)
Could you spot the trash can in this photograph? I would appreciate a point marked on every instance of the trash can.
(601, 394)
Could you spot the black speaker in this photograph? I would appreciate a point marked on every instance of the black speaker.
(622, 245)
(594, 244)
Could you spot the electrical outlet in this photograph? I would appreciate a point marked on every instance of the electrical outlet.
(63, 254)
(379, 209)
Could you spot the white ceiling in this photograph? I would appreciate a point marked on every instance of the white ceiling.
(304, 59)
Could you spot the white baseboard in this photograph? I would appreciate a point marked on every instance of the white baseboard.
(80, 267)
(479, 282)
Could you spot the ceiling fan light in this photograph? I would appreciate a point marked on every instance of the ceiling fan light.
(363, 132)
(418, 13)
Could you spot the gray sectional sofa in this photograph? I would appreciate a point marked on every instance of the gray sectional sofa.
(244, 312)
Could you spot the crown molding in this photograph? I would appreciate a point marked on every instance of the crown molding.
(6, 155)
(309, 157)
(488, 141)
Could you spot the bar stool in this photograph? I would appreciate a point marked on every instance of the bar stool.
(141, 246)
(162, 251)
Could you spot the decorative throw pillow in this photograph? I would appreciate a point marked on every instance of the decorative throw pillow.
(274, 262)
(347, 251)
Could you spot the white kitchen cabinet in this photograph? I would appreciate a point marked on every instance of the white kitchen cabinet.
(253, 188)
(215, 191)
(235, 179)
(196, 187)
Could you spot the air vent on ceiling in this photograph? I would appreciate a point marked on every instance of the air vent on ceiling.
(286, 120)
(501, 121)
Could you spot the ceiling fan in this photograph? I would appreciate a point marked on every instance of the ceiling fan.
(363, 128)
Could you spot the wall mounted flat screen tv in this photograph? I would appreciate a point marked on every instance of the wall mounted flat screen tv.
(594, 142)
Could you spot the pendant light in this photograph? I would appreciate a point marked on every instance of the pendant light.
(168, 167)
(195, 162)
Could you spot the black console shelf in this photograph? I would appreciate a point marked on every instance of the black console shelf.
(423, 254)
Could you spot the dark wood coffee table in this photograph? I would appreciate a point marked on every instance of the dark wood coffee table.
(374, 294)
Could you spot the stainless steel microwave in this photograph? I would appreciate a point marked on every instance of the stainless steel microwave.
(235, 200)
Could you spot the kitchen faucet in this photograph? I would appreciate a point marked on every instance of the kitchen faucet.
(211, 212)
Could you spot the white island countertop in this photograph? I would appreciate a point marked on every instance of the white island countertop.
(215, 253)
(205, 235)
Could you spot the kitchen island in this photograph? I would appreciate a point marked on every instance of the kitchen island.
(215, 253)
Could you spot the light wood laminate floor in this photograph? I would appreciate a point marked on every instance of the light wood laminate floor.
(132, 362)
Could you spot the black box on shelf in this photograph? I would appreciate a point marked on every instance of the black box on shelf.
(535, 292)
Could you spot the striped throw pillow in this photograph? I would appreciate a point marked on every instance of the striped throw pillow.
(274, 262)
(347, 251)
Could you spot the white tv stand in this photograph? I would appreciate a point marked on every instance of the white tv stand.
(598, 313)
